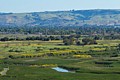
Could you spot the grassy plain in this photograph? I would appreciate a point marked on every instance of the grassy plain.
(33, 60)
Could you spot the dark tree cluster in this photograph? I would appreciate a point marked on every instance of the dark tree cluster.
(43, 38)
(71, 40)
(61, 30)
(88, 41)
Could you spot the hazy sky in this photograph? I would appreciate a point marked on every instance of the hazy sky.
(55, 5)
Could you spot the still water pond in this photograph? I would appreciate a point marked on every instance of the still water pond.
(60, 69)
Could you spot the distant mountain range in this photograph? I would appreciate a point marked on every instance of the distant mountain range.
(62, 18)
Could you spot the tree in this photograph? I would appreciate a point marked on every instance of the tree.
(96, 38)
(118, 48)
(87, 41)
(69, 41)
(78, 43)
(5, 39)
(11, 56)
(66, 41)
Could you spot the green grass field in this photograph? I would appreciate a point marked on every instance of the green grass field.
(33, 60)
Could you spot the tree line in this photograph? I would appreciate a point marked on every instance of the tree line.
(61, 30)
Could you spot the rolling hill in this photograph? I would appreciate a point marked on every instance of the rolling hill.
(62, 18)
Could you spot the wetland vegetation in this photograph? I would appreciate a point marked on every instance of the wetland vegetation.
(33, 60)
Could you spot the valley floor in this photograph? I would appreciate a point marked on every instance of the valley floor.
(34, 60)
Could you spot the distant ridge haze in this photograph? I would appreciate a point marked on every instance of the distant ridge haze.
(62, 18)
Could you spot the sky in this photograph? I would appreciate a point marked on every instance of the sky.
(20, 6)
